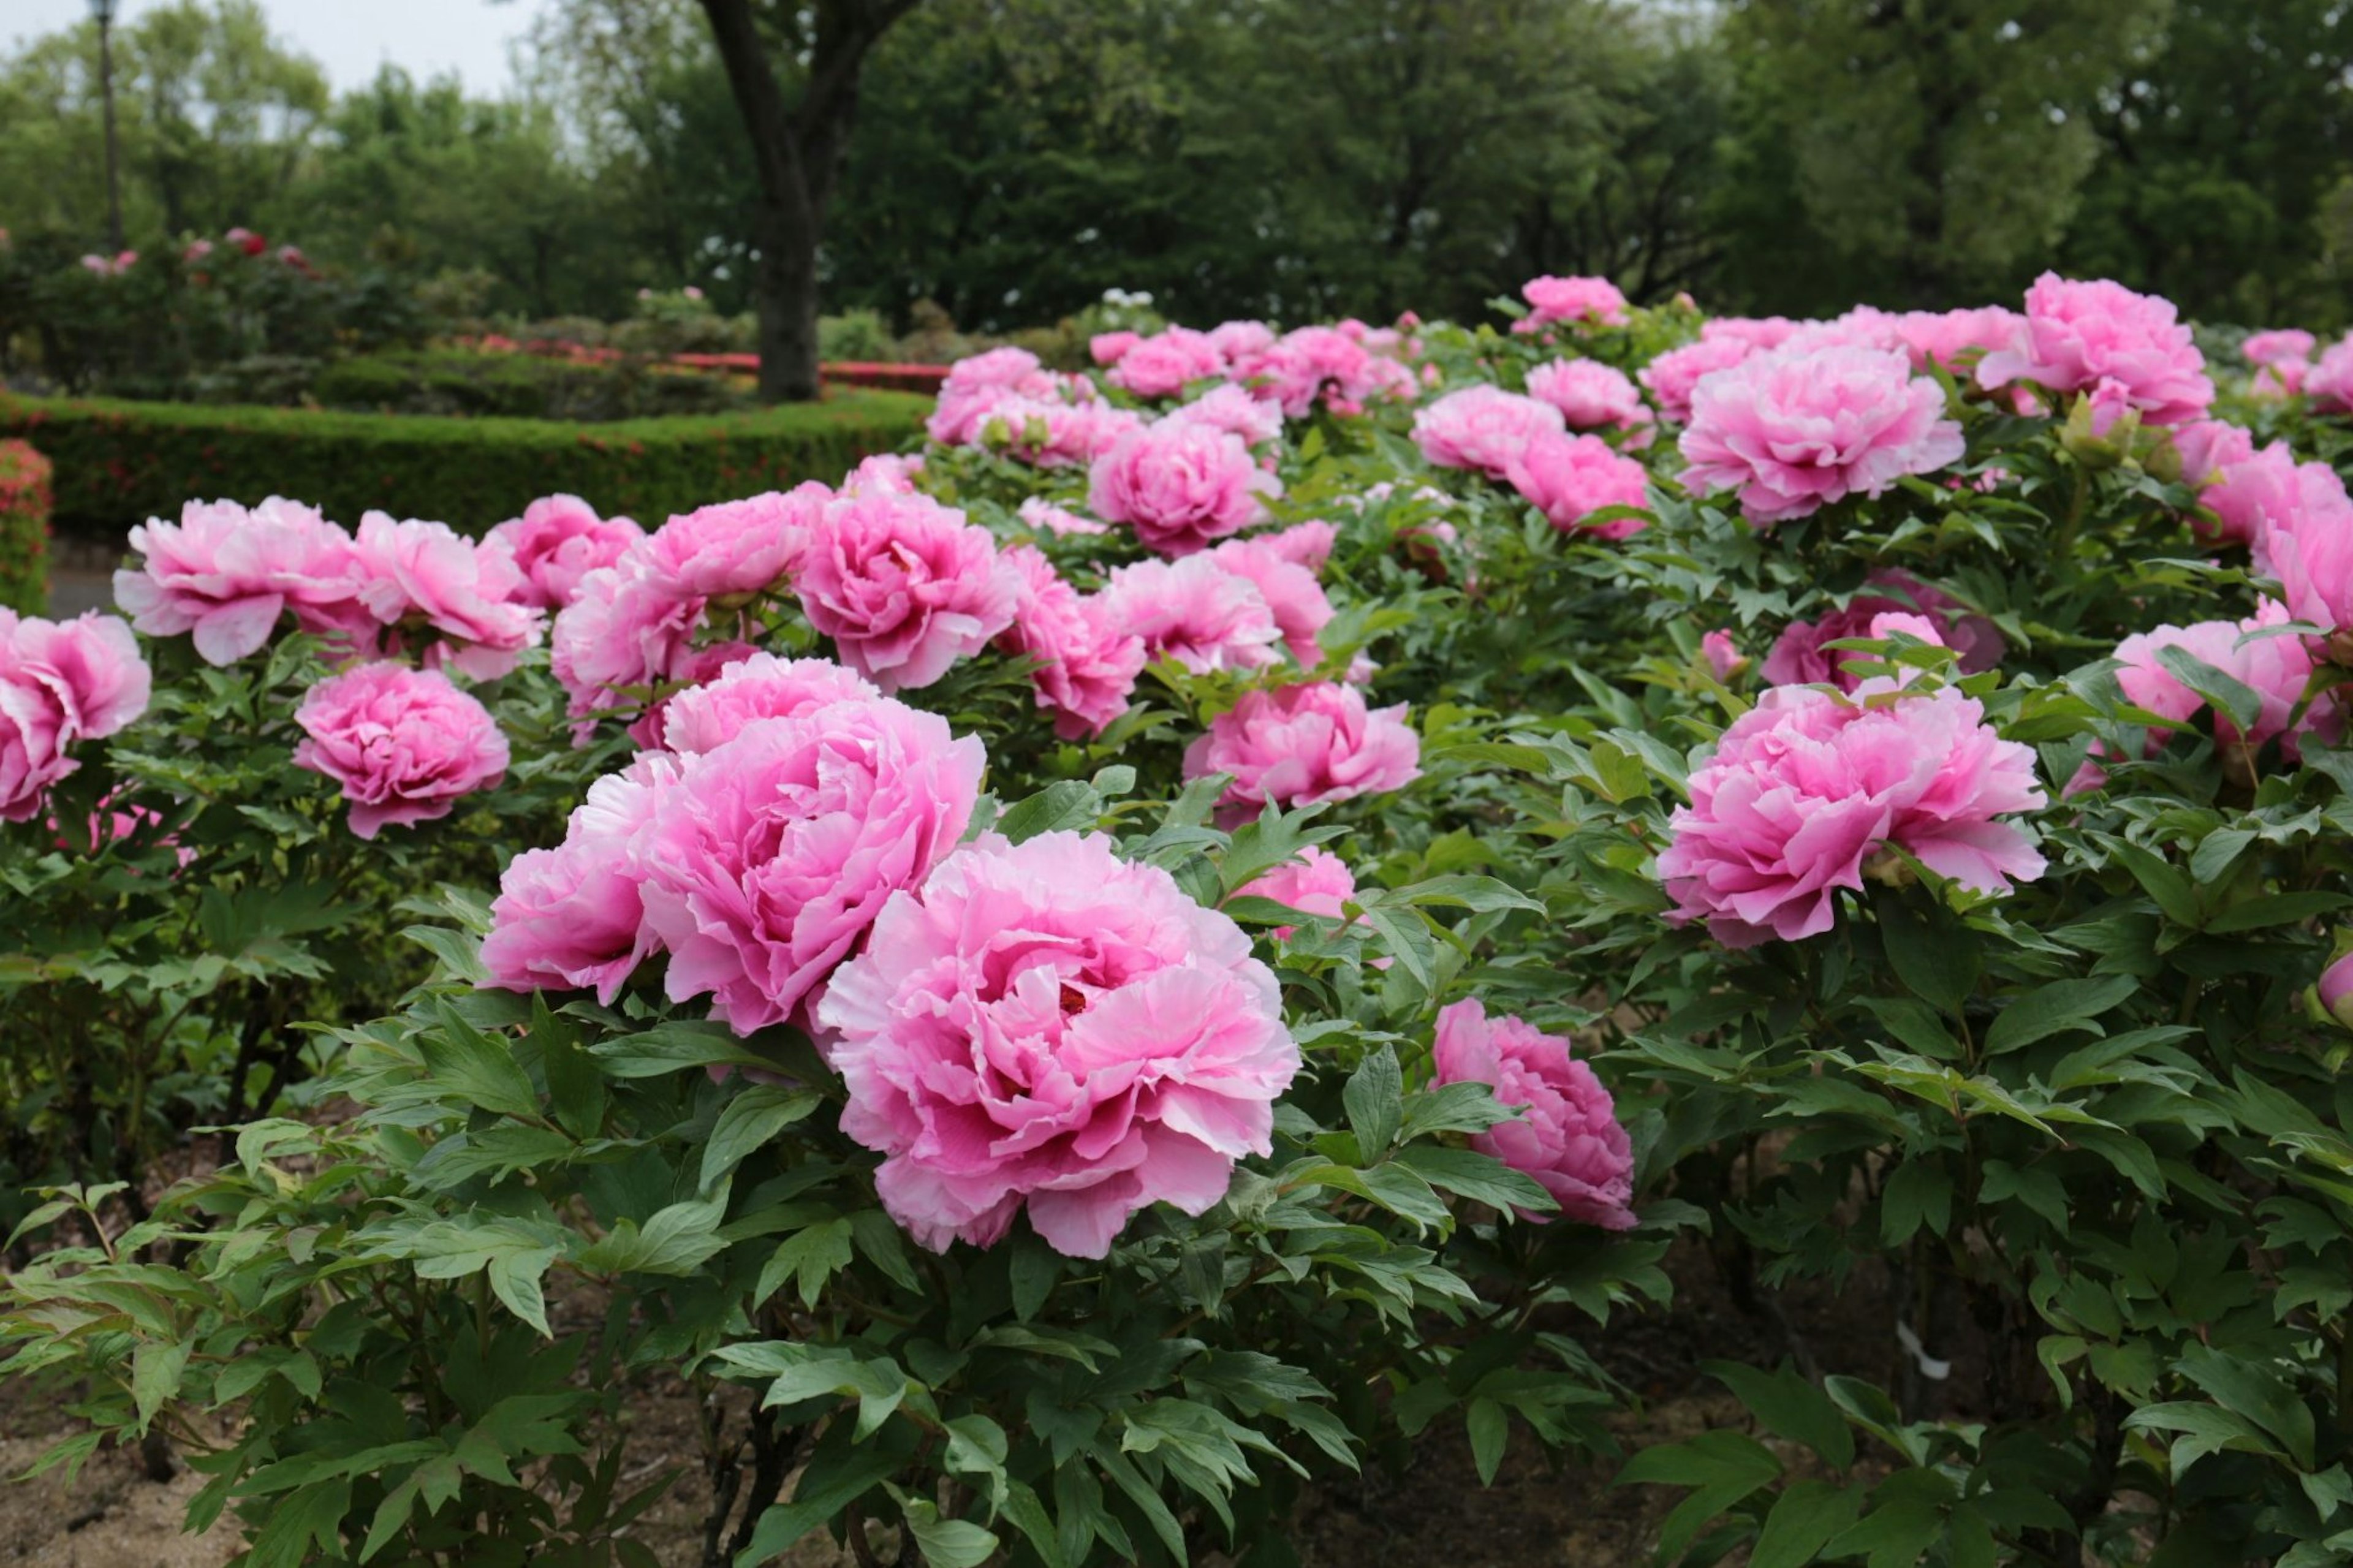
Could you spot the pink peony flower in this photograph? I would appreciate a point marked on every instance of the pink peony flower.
(32, 741)
(1239, 340)
(2218, 461)
(884, 471)
(1592, 395)
(737, 549)
(1110, 348)
(1752, 332)
(694, 667)
(426, 573)
(1228, 408)
(572, 918)
(1292, 594)
(1566, 1136)
(1041, 515)
(1087, 661)
(1674, 374)
(1316, 883)
(903, 585)
(2329, 381)
(1808, 787)
(773, 851)
(1323, 364)
(1303, 744)
(2306, 540)
(557, 541)
(405, 744)
(2279, 346)
(1723, 654)
(2275, 668)
(1046, 1025)
(1307, 544)
(1799, 657)
(1947, 338)
(2076, 334)
(622, 635)
(755, 686)
(90, 667)
(1050, 433)
(2335, 989)
(1193, 611)
(227, 574)
(1792, 434)
(1569, 478)
(1482, 428)
(1181, 487)
(1586, 301)
(1164, 365)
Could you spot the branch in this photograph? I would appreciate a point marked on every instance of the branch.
(775, 141)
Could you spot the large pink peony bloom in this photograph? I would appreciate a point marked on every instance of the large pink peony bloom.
(1592, 395)
(2279, 346)
(2275, 668)
(735, 549)
(1676, 373)
(1303, 744)
(1806, 788)
(1193, 611)
(1162, 365)
(32, 741)
(1585, 301)
(903, 585)
(1292, 596)
(427, 574)
(405, 743)
(1042, 516)
(1566, 1135)
(89, 666)
(1180, 486)
(752, 687)
(1484, 428)
(1945, 338)
(571, 918)
(1325, 365)
(1110, 348)
(1791, 433)
(1799, 657)
(1569, 478)
(227, 574)
(773, 852)
(2329, 381)
(557, 541)
(1046, 1025)
(2077, 334)
(623, 633)
(1087, 660)
(1307, 544)
(2306, 540)
(2233, 482)
(1229, 408)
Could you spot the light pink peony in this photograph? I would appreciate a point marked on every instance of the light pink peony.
(1307, 544)
(2276, 667)
(694, 668)
(1799, 659)
(1322, 364)
(1228, 408)
(572, 918)
(2076, 334)
(1584, 301)
(1807, 787)
(1110, 348)
(1316, 883)
(623, 635)
(1723, 654)
(2220, 462)
(1181, 487)
(557, 541)
(903, 585)
(1049, 433)
(1752, 333)
(1164, 365)
(752, 686)
(1569, 478)
(1292, 594)
(227, 574)
(2279, 346)
(1046, 1025)
(884, 471)
(1087, 660)
(737, 549)
(1043, 516)
(1239, 340)
(1303, 744)
(1592, 395)
(2329, 381)
(1947, 338)
(33, 742)
(405, 744)
(1484, 428)
(426, 575)
(90, 667)
(1791, 434)
(1674, 374)
(1193, 611)
(773, 851)
(1566, 1135)
(2306, 540)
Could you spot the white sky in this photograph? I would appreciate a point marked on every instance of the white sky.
(350, 37)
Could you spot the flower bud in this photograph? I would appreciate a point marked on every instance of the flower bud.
(2335, 989)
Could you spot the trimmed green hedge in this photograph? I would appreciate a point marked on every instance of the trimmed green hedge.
(23, 528)
(119, 463)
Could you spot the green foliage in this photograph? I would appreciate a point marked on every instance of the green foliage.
(520, 387)
(25, 501)
(119, 462)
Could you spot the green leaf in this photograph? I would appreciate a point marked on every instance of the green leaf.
(947, 1543)
(1723, 1468)
(836, 1477)
(1931, 949)
(1375, 1099)
(1479, 1177)
(1789, 1406)
(308, 1516)
(468, 1065)
(809, 1258)
(2242, 703)
(574, 1088)
(1803, 1521)
(1918, 1191)
(2056, 1006)
(1034, 1268)
(1059, 806)
(155, 1368)
(752, 1118)
(1490, 1428)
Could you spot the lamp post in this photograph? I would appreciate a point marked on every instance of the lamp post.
(102, 13)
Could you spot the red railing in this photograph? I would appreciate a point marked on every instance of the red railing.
(923, 378)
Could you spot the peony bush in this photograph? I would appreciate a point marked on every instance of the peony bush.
(1233, 911)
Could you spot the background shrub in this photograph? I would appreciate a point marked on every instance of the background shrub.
(520, 385)
(119, 462)
(24, 527)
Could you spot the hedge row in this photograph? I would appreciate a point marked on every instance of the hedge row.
(23, 528)
(119, 463)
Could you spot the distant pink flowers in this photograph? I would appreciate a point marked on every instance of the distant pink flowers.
(405, 744)
(1791, 433)
(1569, 478)
(557, 541)
(1592, 395)
(1799, 656)
(1566, 1135)
(1806, 788)
(2274, 664)
(1047, 1026)
(61, 682)
(1579, 301)
(1180, 485)
(1484, 428)
(1304, 744)
(2078, 334)
(1087, 659)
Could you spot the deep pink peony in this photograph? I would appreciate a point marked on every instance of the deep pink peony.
(1566, 1135)
(1723, 656)
(33, 742)
(1292, 594)
(227, 574)
(752, 686)
(2275, 668)
(773, 851)
(405, 744)
(1674, 374)
(1799, 659)
(736, 547)
(1586, 301)
(428, 576)
(1592, 395)
(1325, 365)
(2306, 540)
(1302, 744)
(571, 918)
(1193, 611)
(1180, 486)
(1046, 1025)
(557, 541)
(1317, 883)
(1569, 478)
(1228, 408)
(1484, 428)
(1087, 660)
(2220, 462)
(2075, 334)
(1791, 433)
(89, 666)
(1807, 787)
(1163, 366)
(903, 585)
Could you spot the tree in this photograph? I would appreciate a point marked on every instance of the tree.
(798, 138)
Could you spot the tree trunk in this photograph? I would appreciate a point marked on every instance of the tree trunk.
(784, 283)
